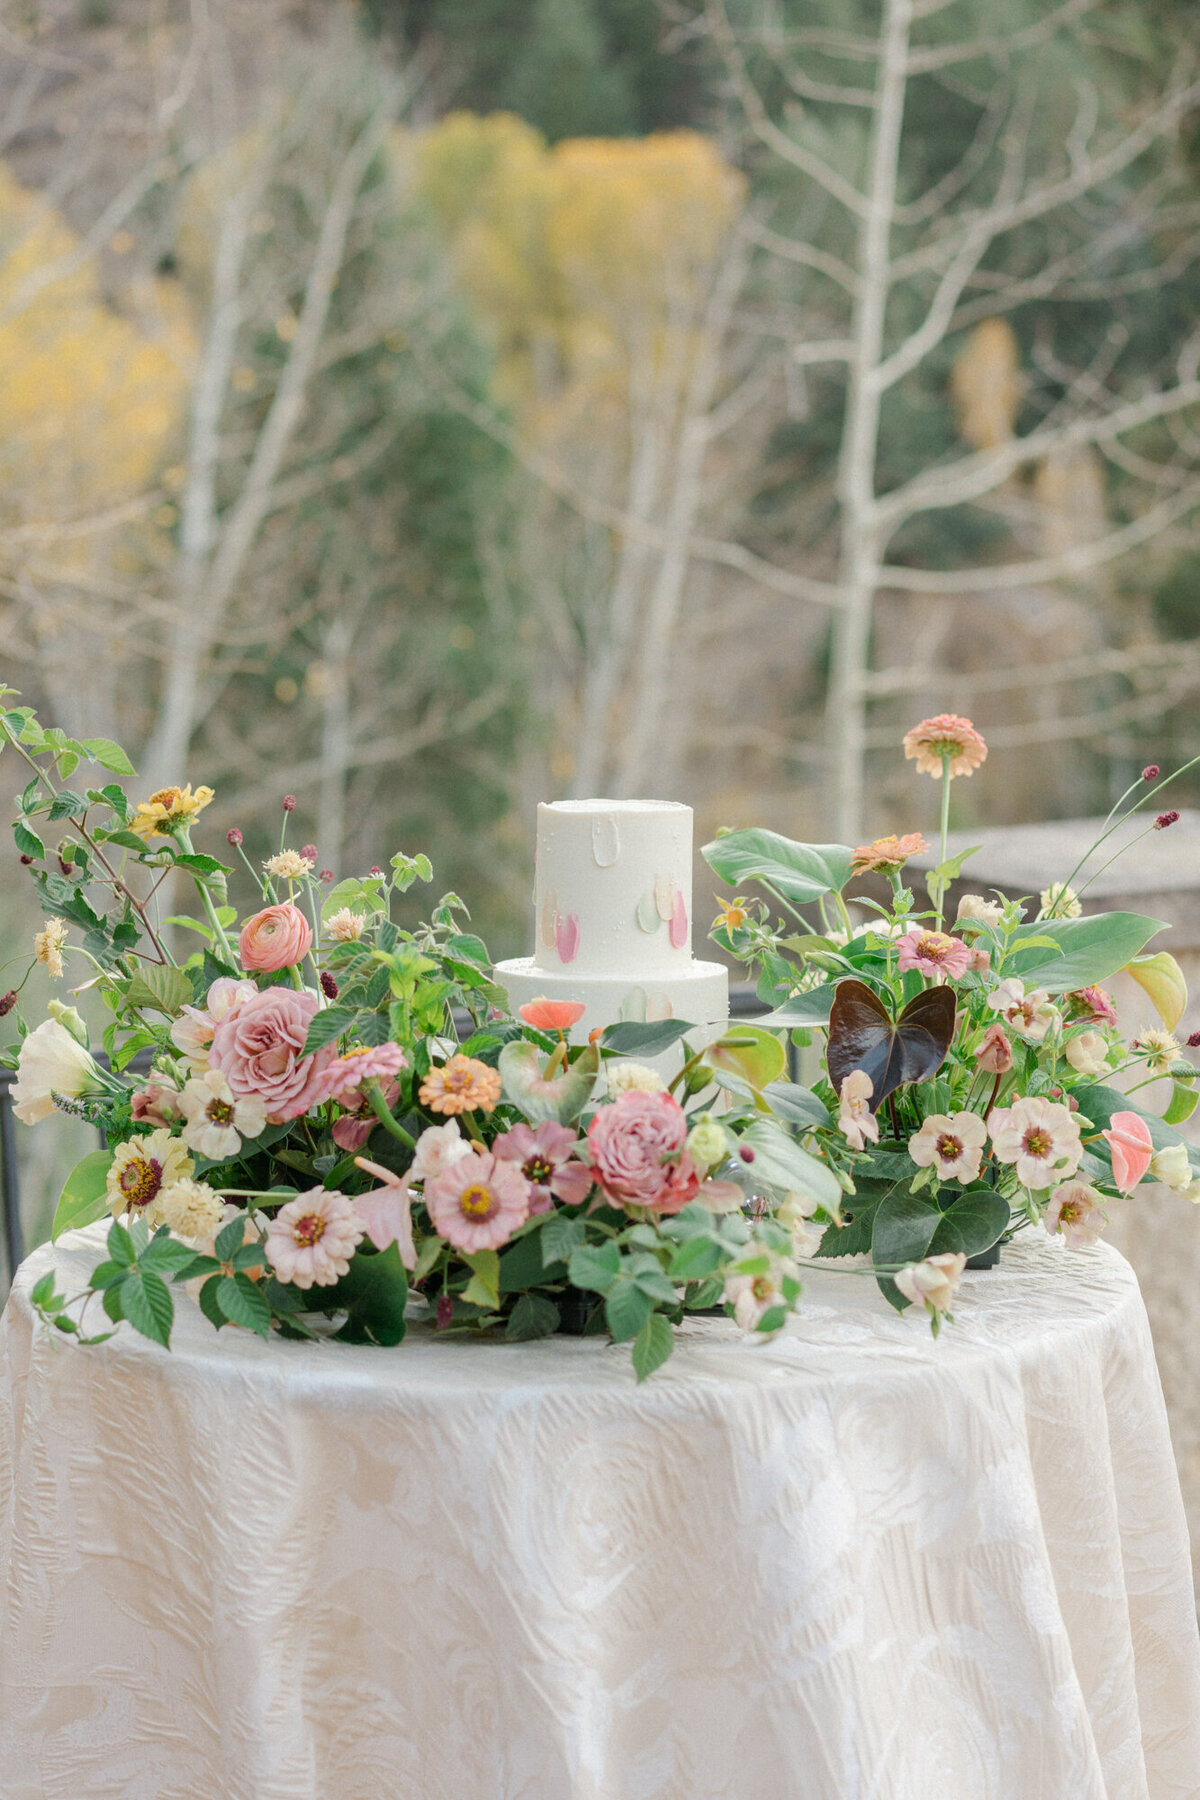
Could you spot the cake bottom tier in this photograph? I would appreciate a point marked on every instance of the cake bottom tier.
(700, 996)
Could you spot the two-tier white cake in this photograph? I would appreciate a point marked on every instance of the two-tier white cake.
(613, 917)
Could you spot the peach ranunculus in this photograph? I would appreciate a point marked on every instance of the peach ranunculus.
(278, 937)
(1128, 1137)
(856, 1121)
(888, 854)
(945, 736)
(258, 1048)
(950, 1143)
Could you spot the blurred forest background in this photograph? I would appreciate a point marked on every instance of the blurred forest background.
(431, 406)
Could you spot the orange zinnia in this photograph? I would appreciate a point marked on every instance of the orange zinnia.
(888, 853)
(464, 1084)
(946, 735)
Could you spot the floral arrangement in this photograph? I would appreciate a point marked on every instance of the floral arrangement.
(314, 1115)
(967, 1077)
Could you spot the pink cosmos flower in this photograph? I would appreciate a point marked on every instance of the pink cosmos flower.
(856, 1121)
(945, 735)
(545, 1159)
(258, 1048)
(375, 1062)
(386, 1212)
(310, 1241)
(278, 937)
(477, 1202)
(1075, 1211)
(951, 1143)
(934, 953)
(637, 1154)
(1039, 1136)
(1132, 1147)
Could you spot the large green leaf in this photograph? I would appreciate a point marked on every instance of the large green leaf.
(146, 1302)
(84, 1197)
(780, 1163)
(793, 1104)
(972, 1222)
(802, 1010)
(903, 1230)
(1092, 949)
(156, 988)
(376, 1293)
(800, 872)
(652, 1346)
(644, 1038)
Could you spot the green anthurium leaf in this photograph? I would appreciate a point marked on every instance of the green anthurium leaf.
(1092, 949)
(748, 1051)
(652, 1346)
(1182, 1104)
(635, 1037)
(562, 1098)
(800, 872)
(902, 1233)
(810, 1008)
(972, 1223)
(780, 1164)
(1164, 981)
(84, 1197)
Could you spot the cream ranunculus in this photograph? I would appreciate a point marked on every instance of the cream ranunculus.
(51, 1062)
(973, 909)
(1172, 1166)
(707, 1142)
(1087, 1053)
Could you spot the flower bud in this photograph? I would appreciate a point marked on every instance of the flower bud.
(325, 875)
(26, 860)
(1194, 1041)
(707, 1142)
(329, 986)
(1165, 819)
(7, 1002)
(1150, 772)
(309, 852)
(289, 803)
(746, 1153)
(233, 836)
(1172, 1166)
(375, 869)
(994, 1054)
(70, 1019)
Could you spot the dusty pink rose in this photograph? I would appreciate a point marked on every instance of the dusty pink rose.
(544, 1158)
(278, 937)
(257, 1048)
(637, 1154)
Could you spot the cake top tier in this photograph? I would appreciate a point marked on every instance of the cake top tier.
(613, 893)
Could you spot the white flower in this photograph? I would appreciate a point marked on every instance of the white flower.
(310, 1241)
(856, 1121)
(216, 1122)
(707, 1143)
(1040, 1137)
(1029, 1015)
(1059, 902)
(890, 929)
(345, 927)
(632, 1077)
(192, 1031)
(1161, 1048)
(141, 1170)
(952, 1143)
(193, 1210)
(1074, 1210)
(51, 1062)
(753, 1296)
(288, 865)
(47, 946)
(1087, 1052)
(974, 909)
(437, 1147)
(1172, 1166)
(933, 1282)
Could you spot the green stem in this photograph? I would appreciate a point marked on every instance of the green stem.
(946, 779)
(383, 1113)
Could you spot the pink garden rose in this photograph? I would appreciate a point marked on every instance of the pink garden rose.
(637, 1154)
(276, 938)
(257, 1048)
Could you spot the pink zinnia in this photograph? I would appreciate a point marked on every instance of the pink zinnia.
(544, 1157)
(934, 953)
(946, 735)
(374, 1062)
(310, 1241)
(478, 1202)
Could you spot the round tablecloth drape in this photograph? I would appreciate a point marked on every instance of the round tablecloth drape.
(848, 1564)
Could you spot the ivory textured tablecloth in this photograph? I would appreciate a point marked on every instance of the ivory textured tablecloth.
(851, 1564)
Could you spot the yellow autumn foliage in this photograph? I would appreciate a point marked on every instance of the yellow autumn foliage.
(89, 403)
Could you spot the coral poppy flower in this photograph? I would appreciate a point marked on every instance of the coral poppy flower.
(1132, 1147)
(946, 735)
(551, 1015)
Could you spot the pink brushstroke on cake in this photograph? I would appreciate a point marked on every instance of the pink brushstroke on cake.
(566, 937)
(679, 922)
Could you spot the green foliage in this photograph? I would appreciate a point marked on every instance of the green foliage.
(84, 1197)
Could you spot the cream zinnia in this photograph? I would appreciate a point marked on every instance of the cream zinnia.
(310, 1241)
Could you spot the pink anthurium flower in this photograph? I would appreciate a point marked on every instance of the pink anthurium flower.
(386, 1212)
(1132, 1147)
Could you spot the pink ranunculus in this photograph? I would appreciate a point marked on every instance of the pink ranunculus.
(257, 1048)
(933, 953)
(278, 937)
(1132, 1147)
(545, 1160)
(637, 1154)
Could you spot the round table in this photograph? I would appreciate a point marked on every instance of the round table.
(847, 1564)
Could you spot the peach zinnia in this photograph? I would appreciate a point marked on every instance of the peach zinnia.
(933, 953)
(478, 1202)
(887, 854)
(945, 736)
(464, 1084)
